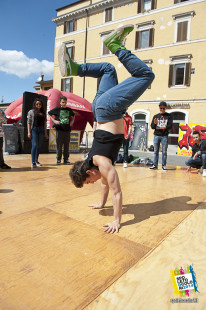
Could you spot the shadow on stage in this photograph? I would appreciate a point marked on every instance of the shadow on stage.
(144, 211)
(23, 169)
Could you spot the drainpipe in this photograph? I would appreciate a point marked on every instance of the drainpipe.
(85, 51)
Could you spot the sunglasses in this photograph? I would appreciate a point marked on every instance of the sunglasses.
(162, 108)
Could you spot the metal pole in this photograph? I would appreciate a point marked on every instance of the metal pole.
(85, 52)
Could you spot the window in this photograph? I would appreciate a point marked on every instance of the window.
(146, 5)
(178, 117)
(140, 117)
(144, 35)
(69, 26)
(67, 84)
(180, 71)
(182, 26)
(182, 31)
(108, 15)
(105, 50)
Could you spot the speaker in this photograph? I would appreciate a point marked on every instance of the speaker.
(24, 141)
(28, 99)
(25, 144)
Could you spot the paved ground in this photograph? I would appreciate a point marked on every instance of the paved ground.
(56, 256)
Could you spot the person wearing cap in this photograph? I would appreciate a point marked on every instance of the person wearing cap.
(161, 123)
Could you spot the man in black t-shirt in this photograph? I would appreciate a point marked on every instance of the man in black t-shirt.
(64, 119)
(161, 123)
(110, 103)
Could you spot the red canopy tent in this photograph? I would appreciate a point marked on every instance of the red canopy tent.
(81, 107)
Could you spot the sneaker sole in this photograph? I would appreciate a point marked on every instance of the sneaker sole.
(114, 34)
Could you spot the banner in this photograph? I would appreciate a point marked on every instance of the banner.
(185, 140)
(74, 144)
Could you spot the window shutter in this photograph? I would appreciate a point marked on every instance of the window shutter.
(108, 15)
(72, 52)
(74, 25)
(182, 31)
(71, 85)
(139, 7)
(171, 73)
(179, 32)
(65, 27)
(187, 74)
(137, 40)
(151, 37)
(62, 84)
(153, 4)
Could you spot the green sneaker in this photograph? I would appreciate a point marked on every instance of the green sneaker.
(115, 39)
(66, 66)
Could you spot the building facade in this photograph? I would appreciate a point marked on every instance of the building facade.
(169, 36)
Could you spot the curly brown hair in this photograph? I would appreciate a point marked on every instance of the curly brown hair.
(78, 172)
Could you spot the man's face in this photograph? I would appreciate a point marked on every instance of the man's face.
(162, 109)
(196, 138)
(63, 103)
(93, 176)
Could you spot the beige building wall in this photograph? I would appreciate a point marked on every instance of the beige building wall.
(190, 100)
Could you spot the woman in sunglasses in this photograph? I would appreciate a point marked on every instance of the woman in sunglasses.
(36, 126)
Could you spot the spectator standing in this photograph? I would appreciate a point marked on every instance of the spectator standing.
(198, 158)
(64, 119)
(3, 119)
(127, 124)
(161, 123)
(36, 126)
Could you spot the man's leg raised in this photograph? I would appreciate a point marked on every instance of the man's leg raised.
(125, 93)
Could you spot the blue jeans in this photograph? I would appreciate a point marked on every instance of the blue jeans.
(37, 136)
(197, 162)
(112, 99)
(164, 143)
(126, 148)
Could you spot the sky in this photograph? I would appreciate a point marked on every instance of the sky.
(27, 36)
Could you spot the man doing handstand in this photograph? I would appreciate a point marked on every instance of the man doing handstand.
(109, 105)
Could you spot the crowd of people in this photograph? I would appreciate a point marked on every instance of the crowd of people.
(113, 122)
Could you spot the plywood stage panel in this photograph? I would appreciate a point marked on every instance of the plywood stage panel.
(50, 261)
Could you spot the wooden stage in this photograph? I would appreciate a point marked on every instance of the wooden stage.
(55, 255)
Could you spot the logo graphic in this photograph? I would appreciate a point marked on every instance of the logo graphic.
(184, 281)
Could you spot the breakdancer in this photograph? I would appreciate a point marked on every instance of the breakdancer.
(109, 105)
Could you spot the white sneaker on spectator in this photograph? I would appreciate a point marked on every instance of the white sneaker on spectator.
(204, 173)
(38, 164)
(153, 167)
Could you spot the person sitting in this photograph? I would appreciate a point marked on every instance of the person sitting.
(198, 158)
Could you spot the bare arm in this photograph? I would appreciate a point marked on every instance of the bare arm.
(29, 130)
(104, 196)
(54, 120)
(110, 176)
(72, 121)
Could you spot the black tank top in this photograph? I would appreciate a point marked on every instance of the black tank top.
(106, 144)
